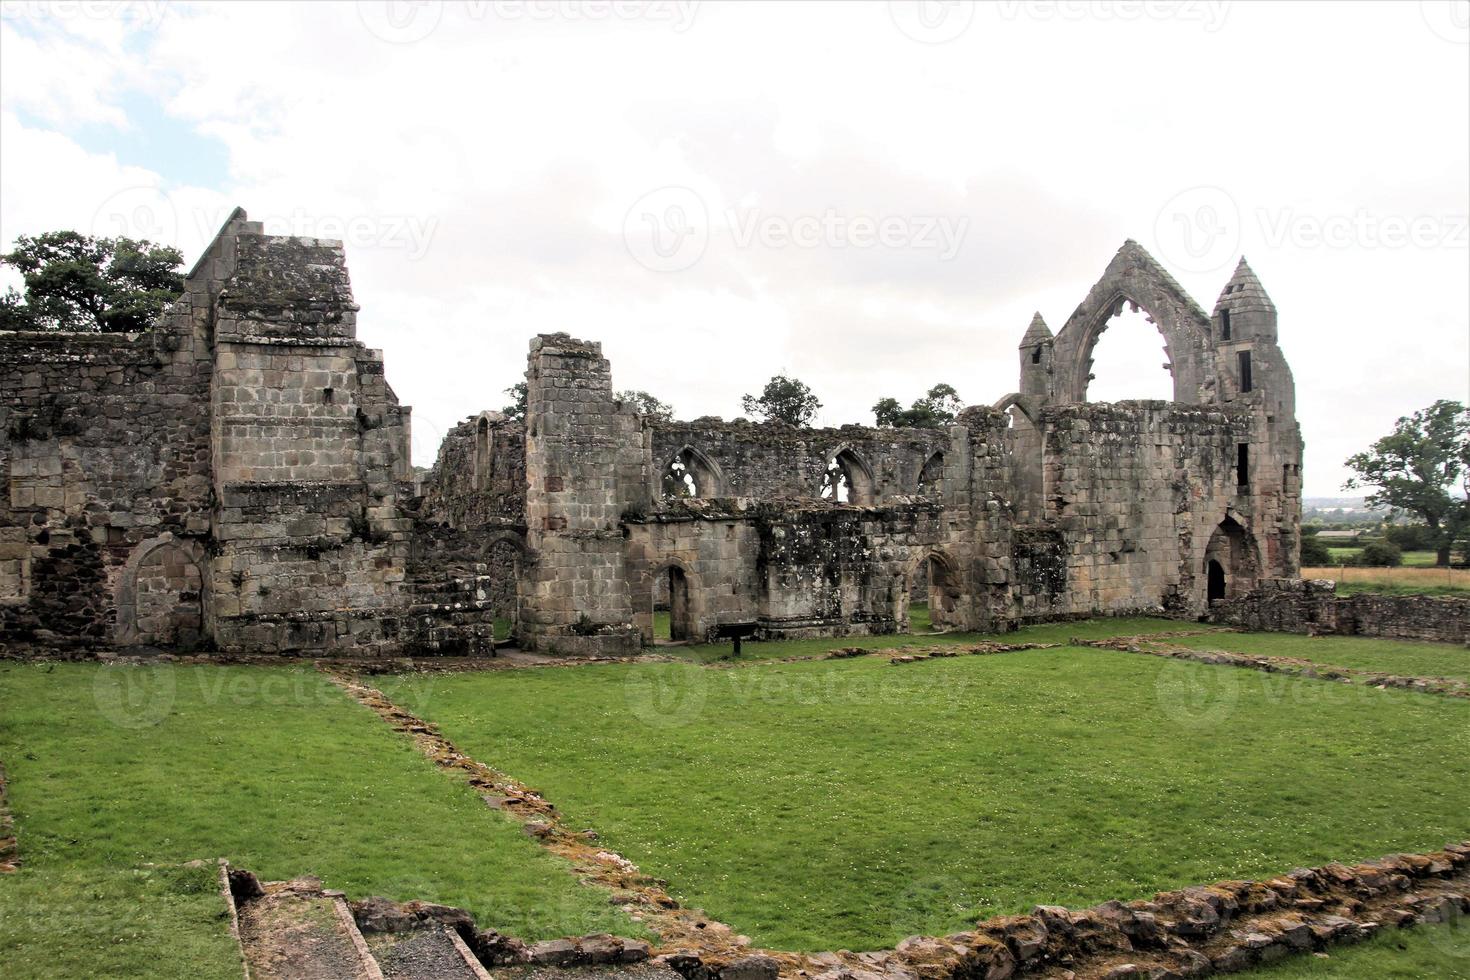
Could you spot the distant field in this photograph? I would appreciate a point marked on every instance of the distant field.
(1403, 581)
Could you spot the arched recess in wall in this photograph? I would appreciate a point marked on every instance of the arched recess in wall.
(1232, 564)
(934, 578)
(691, 473)
(483, 455)
(931, 476)
(674, 585)
(847, 479)
(160, 594)
(504, 556)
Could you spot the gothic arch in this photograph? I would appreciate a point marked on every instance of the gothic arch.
(1135, 277)
(1231, 563)
(862, 488)
(708, 478)
(160, 594)
(944, 589)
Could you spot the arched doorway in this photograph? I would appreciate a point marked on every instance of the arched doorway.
(1231, 567)
(160, 597)
(932, 595)
(673, 612)
(1216, 574)
(502, 570)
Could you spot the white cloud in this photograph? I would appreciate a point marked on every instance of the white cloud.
(483, 175)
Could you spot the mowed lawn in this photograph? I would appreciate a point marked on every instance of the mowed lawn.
(1358, 652)
(113, 769)
(851, 803)
(1089, 629)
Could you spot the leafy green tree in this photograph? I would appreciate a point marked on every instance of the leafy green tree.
(516, 410)
(784, 400)
(937, 408)
(1314, 553)
(1422, 468)
(77, 282)
(648, 405)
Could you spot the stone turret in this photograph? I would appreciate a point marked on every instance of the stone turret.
(1244, 312)
(1036, 359)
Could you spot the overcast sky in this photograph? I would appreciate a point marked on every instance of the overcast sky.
(872, 197)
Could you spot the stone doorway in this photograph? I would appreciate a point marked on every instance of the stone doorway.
(1216, 587)
(671, 593)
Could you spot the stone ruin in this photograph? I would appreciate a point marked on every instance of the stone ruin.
(238, 479)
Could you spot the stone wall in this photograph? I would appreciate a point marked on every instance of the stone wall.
(228, 478)
(1314, 607)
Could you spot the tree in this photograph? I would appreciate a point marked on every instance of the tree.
(1381, 554)
(1422, 468)
(937, 408)
(516, 411)
(1314, 553)
(784, 400)
(648, 405)
(76, 282)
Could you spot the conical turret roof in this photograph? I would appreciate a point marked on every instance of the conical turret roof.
(1244, 292)
(1037, 333)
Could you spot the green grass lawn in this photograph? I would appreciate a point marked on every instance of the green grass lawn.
(851, 803)
(112, 768)
(1360, 652)
(753, 651)
(1439, 952)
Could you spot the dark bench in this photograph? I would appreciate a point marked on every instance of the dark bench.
(735, 632)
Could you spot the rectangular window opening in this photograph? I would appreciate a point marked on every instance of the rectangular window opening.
(1242, 465)
(1244, 358)
(1224, 324)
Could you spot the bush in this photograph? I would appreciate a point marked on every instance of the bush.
(1314, 552)
(1382, 554)
(1410, 537)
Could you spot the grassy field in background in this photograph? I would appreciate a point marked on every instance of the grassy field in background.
(851, 803)
(1394, 581)
(1360, 652)
(114, 768)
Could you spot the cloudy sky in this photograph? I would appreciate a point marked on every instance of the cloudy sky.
(874, 197)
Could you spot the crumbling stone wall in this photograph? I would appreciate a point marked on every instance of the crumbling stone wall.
(1314, 607)
(229, 477)
(239, 476)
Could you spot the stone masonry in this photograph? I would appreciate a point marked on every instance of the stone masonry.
(237, 478)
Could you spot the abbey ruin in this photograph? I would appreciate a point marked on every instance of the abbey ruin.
(238, 479)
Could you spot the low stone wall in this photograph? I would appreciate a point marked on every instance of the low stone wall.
(1314, 607)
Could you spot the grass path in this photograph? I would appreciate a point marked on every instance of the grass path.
(851, 803)
(113, 768)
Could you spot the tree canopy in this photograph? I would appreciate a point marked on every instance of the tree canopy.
(1422, 468)
(77, 282)
(937, 408)
(647, 405)
(783, 400)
